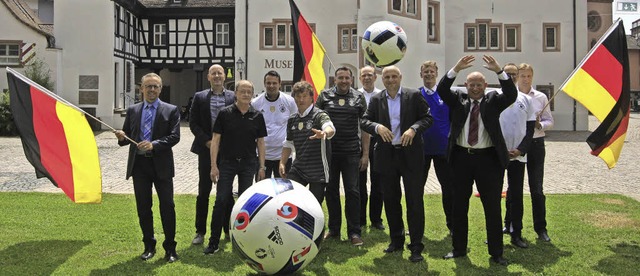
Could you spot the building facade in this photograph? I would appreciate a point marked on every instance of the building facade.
(102, 48)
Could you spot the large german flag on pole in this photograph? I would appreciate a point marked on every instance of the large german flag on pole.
(56, 138)
(309, 55)
(601, 84)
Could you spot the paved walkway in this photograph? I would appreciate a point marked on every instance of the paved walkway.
(569, 166)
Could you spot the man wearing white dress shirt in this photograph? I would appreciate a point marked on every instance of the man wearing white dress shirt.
(536, 154)
(517, 123)
(368, 89)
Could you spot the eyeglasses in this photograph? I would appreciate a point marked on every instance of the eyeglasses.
(512, 75)
(152, 86)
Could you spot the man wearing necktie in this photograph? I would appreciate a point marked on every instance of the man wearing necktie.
(155, 127)
(477, 151)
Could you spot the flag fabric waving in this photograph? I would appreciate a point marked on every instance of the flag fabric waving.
(56, 139)
(309, 55)
(601, 84)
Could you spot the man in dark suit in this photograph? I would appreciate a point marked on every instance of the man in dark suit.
(204, 111)
(477, 151)
(397, 116)
(154, 128)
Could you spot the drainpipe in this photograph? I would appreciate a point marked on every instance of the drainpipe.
(575, 57)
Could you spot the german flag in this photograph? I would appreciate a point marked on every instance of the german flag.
(309, 55)
(56, 139)
(601, 84)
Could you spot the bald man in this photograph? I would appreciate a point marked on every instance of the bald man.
(396, 117)
(204, 111)
(477, 151)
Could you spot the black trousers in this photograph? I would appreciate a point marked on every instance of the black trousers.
(535, 169)
(348, 165)
(245, 169)
(514, 202)
(486, 171)
(317, 189)
(204, 192)
(273, 168)
(144, 178)
(445, 178)
(414, 199)
(374, 197)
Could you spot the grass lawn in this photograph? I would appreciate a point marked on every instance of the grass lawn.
(42, 234)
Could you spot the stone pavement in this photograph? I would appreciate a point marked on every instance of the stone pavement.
(569, 166)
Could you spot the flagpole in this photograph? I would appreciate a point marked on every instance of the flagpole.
(60, 99)
(602, 38)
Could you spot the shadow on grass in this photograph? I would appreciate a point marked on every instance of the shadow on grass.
(625, 255)
(537, 257)
(38, 257)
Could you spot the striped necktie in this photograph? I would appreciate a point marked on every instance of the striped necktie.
(148, 123)
(473, 124)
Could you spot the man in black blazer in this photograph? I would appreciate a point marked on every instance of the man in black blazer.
(204, 111)
(397, 116)
(155, 128)
(477, 151)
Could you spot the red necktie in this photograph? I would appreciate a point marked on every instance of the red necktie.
(473, 124)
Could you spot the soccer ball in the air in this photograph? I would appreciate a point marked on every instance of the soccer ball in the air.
(277, 226)
(384, 43)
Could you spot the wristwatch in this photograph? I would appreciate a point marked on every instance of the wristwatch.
(263, 168)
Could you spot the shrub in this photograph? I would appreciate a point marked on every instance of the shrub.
(7, 127)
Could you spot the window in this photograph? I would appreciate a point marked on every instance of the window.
(406, 8)
(222, 34)
(433, 22)
(548, 91)
(281, 35)
(512, 37)
(278, 35)
(551, 37)
(483, 35)
(348, 40)
(10, 53)
(159, 34)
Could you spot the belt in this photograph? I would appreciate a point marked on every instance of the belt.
(397, 147)
(475, 151)
(148, 154)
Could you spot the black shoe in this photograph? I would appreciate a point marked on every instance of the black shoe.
(519, 242)
(148, 254)
(416, 257)
(452, 255)
(393, 248)
(499, 260)
(505, 230)
(171, 256)
(543, 236)
(378, 226)
(211, 249)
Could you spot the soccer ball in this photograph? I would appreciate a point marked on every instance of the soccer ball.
(277, 226)
(384, 43)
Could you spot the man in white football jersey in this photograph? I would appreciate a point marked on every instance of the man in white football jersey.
(276, 107)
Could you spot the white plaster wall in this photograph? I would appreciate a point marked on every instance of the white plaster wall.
(84, 30)
(550, 67)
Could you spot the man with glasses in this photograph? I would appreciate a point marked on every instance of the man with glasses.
(155, 127)
(204, 111)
